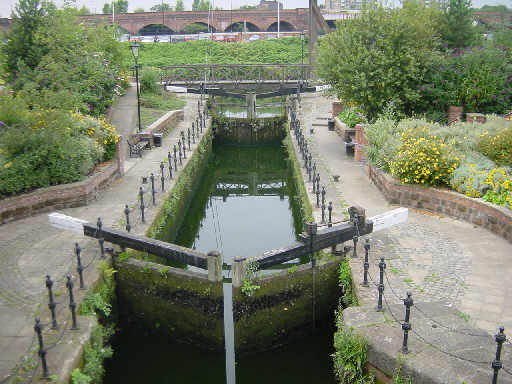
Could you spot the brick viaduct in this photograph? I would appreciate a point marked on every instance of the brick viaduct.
(257, 19)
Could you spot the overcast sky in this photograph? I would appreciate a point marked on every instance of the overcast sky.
(96, 5)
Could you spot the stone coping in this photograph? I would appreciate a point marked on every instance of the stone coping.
(440, 350)
(81, 192)
(474, 210)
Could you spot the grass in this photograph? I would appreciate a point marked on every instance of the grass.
(286, 50)
(155, 105)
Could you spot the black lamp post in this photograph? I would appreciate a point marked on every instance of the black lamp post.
(302, 53)
(135, 52)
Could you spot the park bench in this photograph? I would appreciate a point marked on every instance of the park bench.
(136, 145)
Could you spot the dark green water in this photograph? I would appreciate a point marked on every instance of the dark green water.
(245, 204)
(150, 360)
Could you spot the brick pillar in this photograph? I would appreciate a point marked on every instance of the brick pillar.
(361, 142)
(337, 107)
(454, 114)
(120, 154)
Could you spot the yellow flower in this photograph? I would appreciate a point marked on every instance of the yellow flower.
(7, 165)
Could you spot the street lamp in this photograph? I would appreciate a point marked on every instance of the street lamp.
(135, 52)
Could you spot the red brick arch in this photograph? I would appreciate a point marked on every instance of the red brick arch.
(220, 20)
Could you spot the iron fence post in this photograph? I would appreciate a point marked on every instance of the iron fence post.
(366, 265)
(193, 134)
(355, 238)
(169, 159)
(79, 268)
(318, 181)
(38, 328)
(153, 192)
(184, 146)
(329, 208)
(127, 215)
(162, 178)
(101, 240)
(141, 195)
(317, 193)
(323, 194)
(496, 363)
(72, 304)
(51, 303)
(406, 326)
(323, 212)
(382, 266)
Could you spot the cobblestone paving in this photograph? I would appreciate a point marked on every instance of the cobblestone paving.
(436, 258)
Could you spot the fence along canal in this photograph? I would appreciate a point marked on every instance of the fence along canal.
(244, 206)
(276, 314)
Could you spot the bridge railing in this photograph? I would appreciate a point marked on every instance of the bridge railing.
(236, 73)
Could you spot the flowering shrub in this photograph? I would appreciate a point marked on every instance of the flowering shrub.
(470, 178)
(478, 80)
(500, 183)
(52, 147)
(98, 128)
(423, 159)
(497, 147)
(352, 116)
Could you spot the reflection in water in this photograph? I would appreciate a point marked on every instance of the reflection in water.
(243, 206)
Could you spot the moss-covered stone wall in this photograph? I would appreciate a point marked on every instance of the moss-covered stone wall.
(282, 309)
(238, 131)
(172, 302)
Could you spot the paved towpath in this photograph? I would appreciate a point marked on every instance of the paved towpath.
(437, 258)
(30, 248)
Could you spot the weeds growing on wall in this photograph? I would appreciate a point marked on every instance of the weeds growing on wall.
(98, 303)
(250, 277)
(350, 356)
(348, 297)
(302, 195)
(174, 202)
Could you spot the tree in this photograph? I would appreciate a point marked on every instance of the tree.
(195, 5)
(120, 6)
(163, 7)
(21, 49)
(84, 11)
(249, 7)
(179, 6)
(139, 10)
(457, 29)
(381, 56)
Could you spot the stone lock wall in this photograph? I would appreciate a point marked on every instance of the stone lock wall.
(187, 307)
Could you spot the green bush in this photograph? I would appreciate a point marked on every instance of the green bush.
(13, 110)
(149, 81)
(383, 142)
(48, 149)
(477, 79)
(43, 158)
(352, 116)
(497, 147)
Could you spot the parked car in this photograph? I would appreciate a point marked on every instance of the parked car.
(147, 39)
(268, 37)
(204, 36)
(231, 38)
(254, 38)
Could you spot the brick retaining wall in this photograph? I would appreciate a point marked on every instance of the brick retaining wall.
(58, 196)
(79, 193)
(477, 211)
